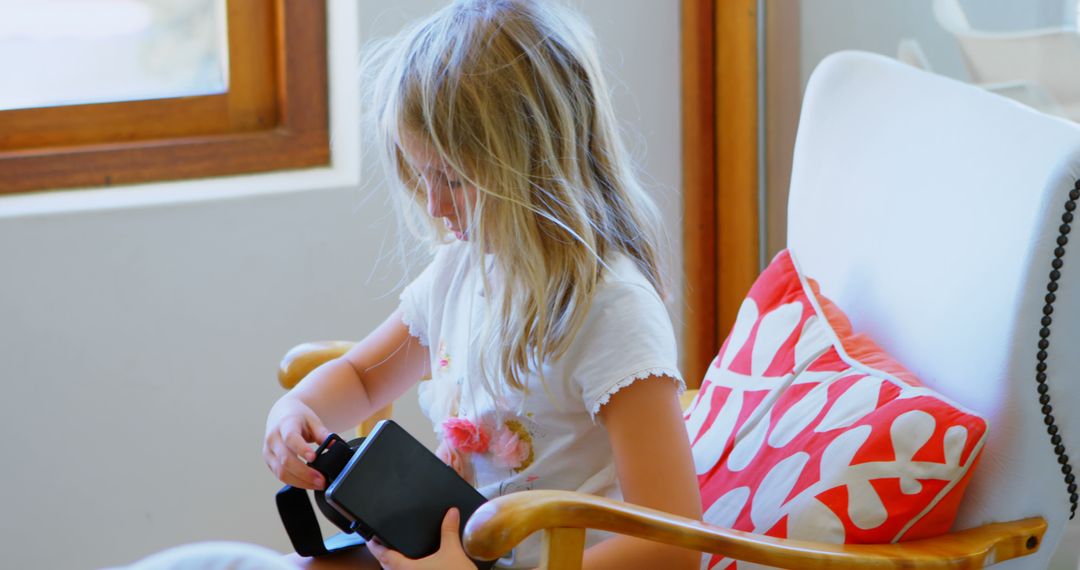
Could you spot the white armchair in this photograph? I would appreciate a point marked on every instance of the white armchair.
(934, 214)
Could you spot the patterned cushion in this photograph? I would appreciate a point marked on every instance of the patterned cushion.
(805, 430)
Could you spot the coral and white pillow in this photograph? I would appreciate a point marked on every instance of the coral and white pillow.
(804, 430)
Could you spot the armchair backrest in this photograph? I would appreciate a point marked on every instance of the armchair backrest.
(930, 211)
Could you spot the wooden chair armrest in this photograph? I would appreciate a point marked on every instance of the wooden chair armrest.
(687, 398)
(502, 523)
(303, 358)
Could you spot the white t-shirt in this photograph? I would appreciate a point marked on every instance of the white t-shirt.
(627, 335)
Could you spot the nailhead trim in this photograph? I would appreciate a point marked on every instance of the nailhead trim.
(1044, 344)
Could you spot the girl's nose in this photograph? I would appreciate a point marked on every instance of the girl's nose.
(439, 203)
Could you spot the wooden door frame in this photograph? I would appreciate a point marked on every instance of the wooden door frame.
(720, 171)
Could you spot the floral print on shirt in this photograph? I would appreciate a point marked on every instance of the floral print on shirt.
(508, 442)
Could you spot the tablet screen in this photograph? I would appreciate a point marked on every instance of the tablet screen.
(400, 491)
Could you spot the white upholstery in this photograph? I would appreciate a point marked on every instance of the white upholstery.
(928, 210)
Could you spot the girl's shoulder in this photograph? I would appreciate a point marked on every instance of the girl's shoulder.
(625, 299)
(622, 277)
(448, 259)
(445, 268)
(450, 253)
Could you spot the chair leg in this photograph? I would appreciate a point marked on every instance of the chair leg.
(562, 549)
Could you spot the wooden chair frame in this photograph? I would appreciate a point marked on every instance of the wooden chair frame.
(563, 517)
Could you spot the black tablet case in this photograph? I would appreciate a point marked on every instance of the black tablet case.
(398, 491)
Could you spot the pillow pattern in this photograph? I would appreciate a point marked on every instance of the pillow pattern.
(802, 429)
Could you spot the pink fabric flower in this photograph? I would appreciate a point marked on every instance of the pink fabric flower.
(509, 450)
(457, 461)
(465, 436)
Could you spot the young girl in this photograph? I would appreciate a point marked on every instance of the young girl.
(549, 356)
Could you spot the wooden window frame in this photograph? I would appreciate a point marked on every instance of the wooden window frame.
(274, 116)
(720, 171)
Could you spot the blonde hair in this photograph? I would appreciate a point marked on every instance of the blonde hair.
(509, 94)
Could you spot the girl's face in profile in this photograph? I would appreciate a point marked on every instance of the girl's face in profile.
(448, 196)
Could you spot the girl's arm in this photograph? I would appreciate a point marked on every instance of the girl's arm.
(339, 395)
(655, 468)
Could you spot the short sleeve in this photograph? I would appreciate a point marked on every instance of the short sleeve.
(416, 300)
(627, 336)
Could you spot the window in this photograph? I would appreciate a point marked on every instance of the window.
(251, 98)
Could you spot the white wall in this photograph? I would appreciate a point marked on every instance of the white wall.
(831, 25)
(804, 32)
(140, 327)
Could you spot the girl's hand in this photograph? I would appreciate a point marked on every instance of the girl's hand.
(451, 555)
(290, 427)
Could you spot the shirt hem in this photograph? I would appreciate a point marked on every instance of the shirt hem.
(409, 319)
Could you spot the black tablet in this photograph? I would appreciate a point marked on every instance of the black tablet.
(399, 491)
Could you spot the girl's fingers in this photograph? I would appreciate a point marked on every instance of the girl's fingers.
(296, 444)
(450, 525)
(296, 473)
(288, 449)
(388, 559)
(318, 432)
